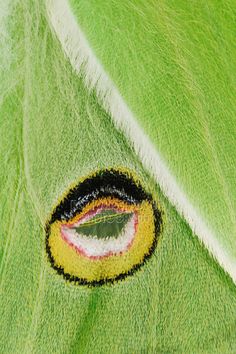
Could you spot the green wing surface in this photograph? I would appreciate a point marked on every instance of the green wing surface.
(171, 67)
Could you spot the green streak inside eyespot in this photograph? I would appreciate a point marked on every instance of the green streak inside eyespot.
(106, 224)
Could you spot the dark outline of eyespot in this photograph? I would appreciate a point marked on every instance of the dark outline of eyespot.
(105, 183)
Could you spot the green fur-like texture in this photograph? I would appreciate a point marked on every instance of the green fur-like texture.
(174, 65)
(53, 131)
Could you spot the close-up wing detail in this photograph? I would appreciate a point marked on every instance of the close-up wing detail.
(123, 95)
(117, 178)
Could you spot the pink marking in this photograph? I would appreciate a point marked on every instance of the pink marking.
(82, 252)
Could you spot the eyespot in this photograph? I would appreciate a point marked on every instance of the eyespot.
(104, 229)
